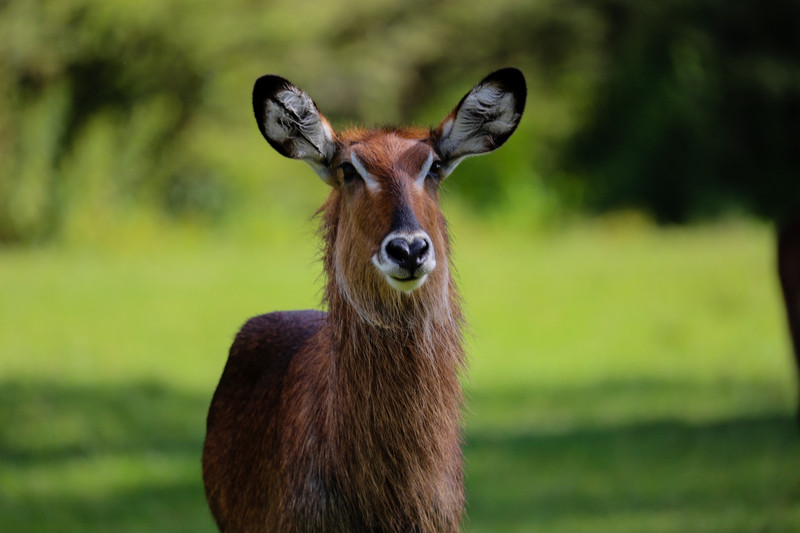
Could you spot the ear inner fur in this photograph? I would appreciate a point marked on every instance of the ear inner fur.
(484, 119)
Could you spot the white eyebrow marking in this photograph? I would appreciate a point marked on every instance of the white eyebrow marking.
(420, 181)
(369, 179)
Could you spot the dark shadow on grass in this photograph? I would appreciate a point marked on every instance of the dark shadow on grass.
(46, 427)
(736, 474)
(42, 422)
(636, 399)
(740, 474)
(170, 508)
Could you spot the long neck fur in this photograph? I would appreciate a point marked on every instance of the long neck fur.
(394, 419)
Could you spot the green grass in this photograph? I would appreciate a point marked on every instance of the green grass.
(621, 379)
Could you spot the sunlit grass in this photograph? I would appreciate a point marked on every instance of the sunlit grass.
(621, 379)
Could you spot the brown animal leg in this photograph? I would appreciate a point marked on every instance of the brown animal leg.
(789, 272)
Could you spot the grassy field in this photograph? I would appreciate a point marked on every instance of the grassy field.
(625, 380)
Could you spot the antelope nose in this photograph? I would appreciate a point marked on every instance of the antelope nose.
(409, 254)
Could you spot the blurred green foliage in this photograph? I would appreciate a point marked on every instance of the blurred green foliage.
(135, 113)
(697, 111)
(118, 111)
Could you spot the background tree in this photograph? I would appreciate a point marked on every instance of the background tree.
(698, 113)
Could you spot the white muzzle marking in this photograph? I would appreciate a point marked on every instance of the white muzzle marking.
(400, 277)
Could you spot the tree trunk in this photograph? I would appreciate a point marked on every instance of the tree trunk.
(789, 272)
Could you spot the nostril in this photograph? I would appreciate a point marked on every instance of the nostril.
(418, 250)
(398, 250)
(409, 253)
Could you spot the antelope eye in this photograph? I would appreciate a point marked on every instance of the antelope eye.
(347, 172)
(436, 169)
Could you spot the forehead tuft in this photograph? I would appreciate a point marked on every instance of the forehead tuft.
(360, 135)
(386, 153)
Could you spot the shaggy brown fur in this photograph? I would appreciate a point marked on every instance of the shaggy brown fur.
(366, 398)
(349, 420)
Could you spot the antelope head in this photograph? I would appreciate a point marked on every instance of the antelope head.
(386, 234)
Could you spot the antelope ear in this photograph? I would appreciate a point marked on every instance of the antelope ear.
(484, 119)
(291, 123)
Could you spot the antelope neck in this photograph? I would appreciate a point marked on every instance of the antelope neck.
(401, 368)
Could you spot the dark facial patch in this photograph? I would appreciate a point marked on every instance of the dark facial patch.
(403, 217)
